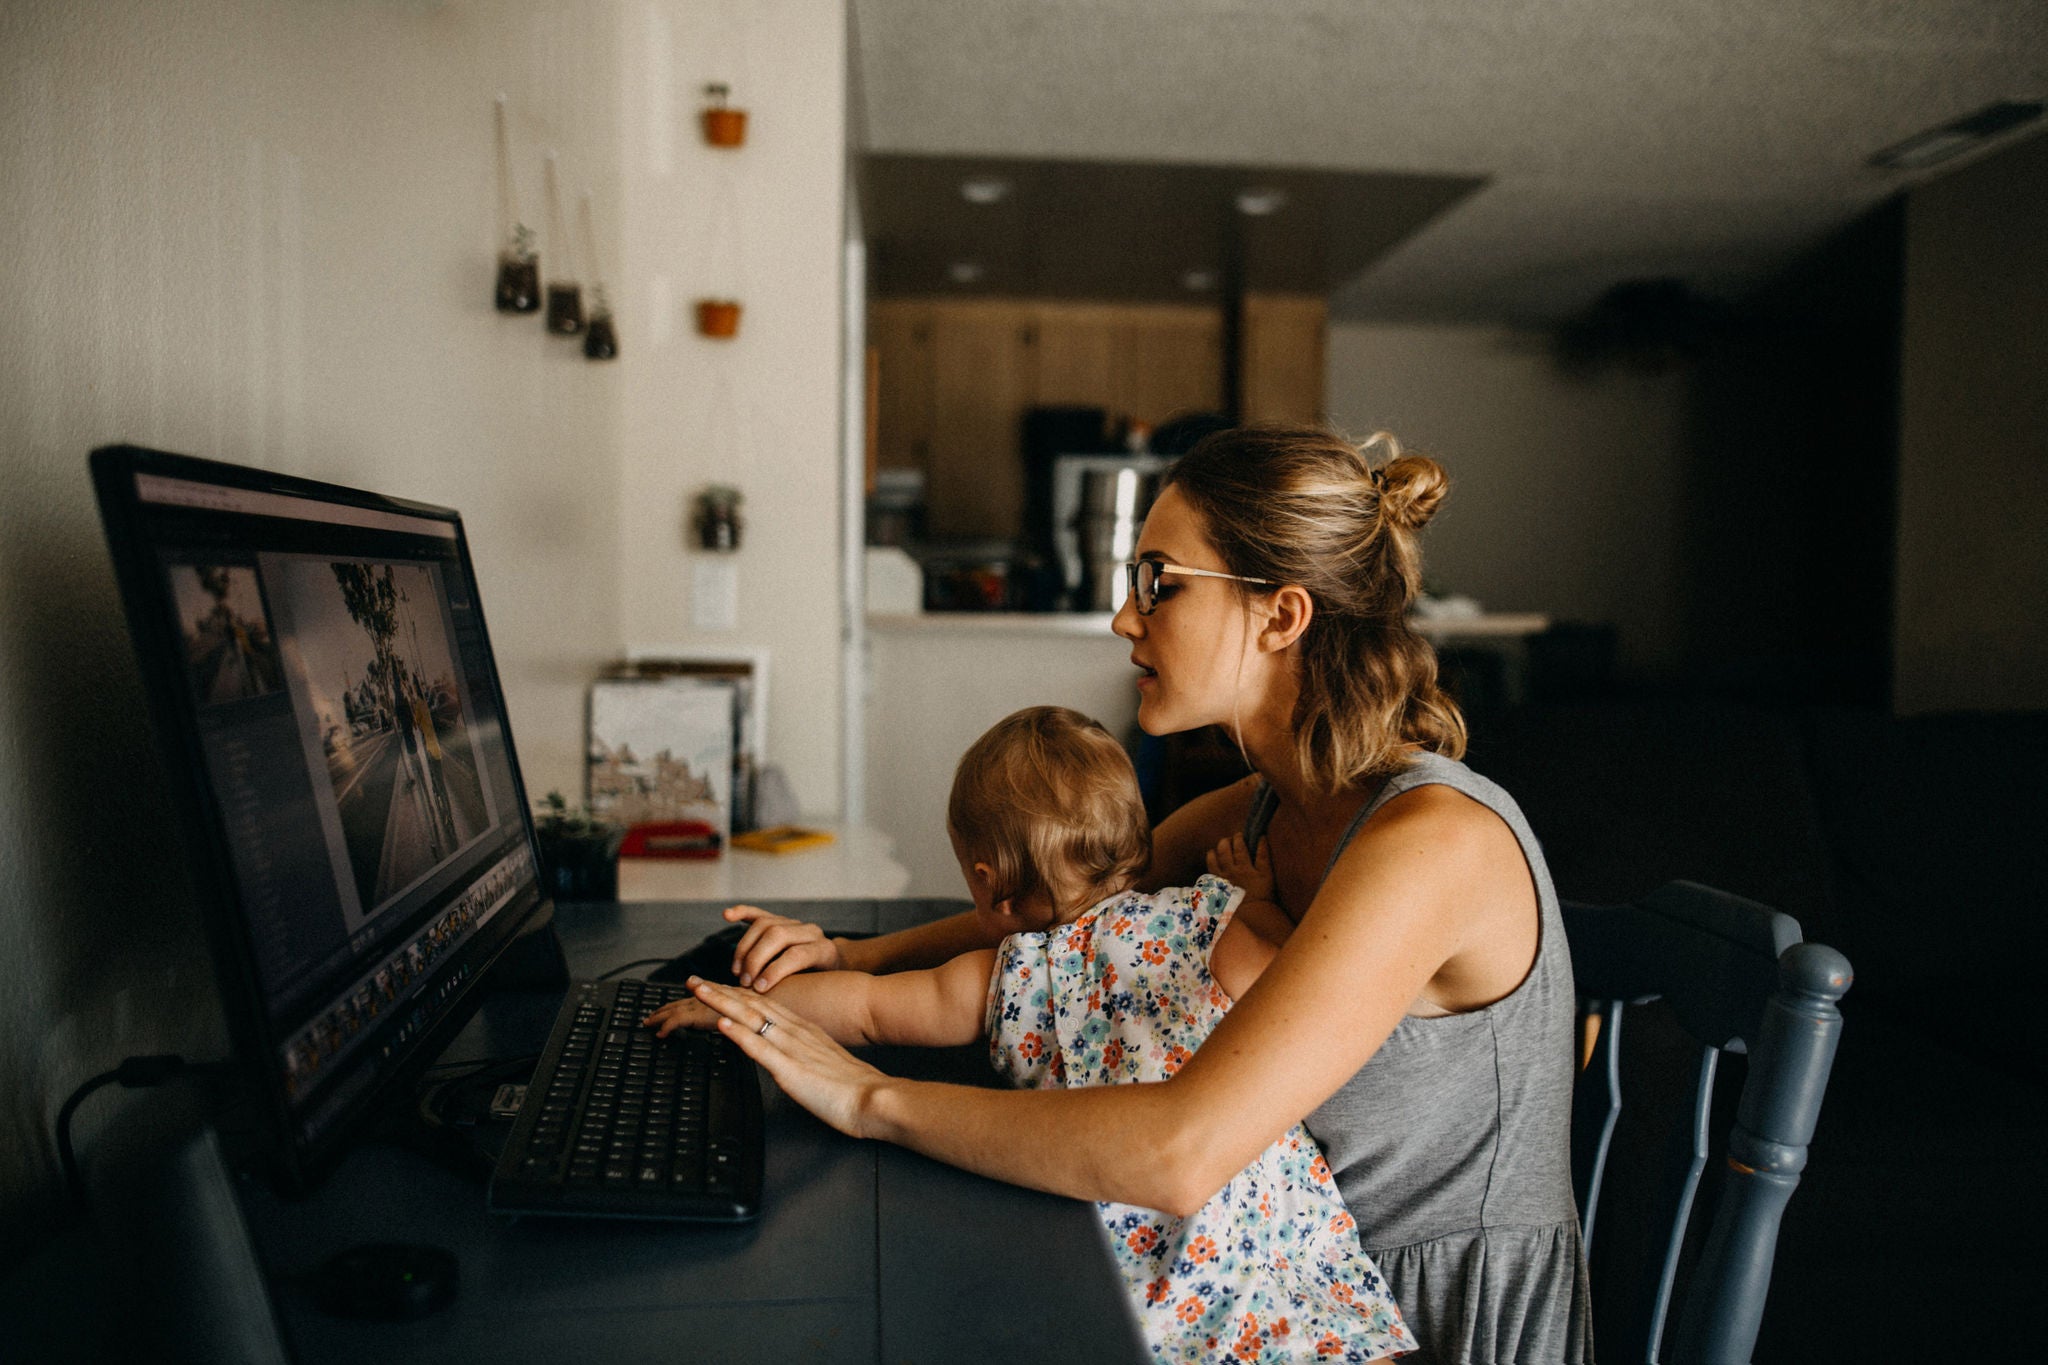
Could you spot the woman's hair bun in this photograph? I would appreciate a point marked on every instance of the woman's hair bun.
(1410, 487)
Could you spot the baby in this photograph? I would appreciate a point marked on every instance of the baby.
(1097, 984)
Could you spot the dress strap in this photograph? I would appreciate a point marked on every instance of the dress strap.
(1264, 802)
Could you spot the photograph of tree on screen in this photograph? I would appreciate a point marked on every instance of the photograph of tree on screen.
(381, 680)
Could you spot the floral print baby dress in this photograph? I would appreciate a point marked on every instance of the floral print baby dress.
(1271, 1268)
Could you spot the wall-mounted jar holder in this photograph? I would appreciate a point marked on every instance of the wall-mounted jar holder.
(718, 318)
(717, 519)
(723, 126)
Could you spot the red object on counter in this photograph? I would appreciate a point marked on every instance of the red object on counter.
(671, 839)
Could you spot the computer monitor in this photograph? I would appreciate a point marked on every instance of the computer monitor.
(318, 667)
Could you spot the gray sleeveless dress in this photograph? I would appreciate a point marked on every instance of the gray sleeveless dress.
(1452, 1146)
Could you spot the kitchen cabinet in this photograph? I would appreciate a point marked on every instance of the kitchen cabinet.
(1282, 347)
(956, 376)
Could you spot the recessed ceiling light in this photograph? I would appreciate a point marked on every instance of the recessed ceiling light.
(1198, 281)
(1955, 137)
(964, 272)
(984, 189)
(1260, 200)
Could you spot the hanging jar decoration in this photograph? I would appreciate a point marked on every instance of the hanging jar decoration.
(565, 299)
(518, 287)
(600, 338)
(718, 519)
(723, 126)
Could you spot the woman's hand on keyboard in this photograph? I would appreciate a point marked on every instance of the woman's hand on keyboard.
(810, 1068)
(681, 1014)
(776, 946)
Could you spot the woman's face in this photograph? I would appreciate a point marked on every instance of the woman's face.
(1192, 649)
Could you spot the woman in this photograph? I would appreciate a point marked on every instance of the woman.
(1420, 1013)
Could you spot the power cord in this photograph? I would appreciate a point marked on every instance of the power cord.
(134, 1073)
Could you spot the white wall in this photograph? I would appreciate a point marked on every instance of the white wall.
(937, 683)
(1565, 492)
(263, 230)
(1970, 628)
(763, 224)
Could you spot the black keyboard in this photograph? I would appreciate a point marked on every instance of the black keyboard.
(619, 1123)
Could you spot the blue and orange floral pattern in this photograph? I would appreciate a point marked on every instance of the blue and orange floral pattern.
(1269, 1270)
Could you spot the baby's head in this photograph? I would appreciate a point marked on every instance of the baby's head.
(1045, 816)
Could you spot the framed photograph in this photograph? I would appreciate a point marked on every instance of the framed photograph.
(661, 751)
(745, 671)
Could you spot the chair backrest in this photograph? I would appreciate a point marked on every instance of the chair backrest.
(1738, 979)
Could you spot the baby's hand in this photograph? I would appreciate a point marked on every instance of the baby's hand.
(1234, 862)
(677, 1014)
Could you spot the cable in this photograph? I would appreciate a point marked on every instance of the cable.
(478, 1065)
(134, 1073)
(629, 966)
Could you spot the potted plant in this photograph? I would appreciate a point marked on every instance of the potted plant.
(579, 851)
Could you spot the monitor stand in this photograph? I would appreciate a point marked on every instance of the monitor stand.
(533, 960)
(460, 1117)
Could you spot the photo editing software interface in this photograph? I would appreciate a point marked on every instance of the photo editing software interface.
(342, 707)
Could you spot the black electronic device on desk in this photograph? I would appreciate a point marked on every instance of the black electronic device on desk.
(621, 1124)
(319, 670)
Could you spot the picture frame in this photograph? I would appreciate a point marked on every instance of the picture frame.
(661, 751)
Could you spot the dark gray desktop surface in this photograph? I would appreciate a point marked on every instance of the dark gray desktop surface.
(863, 1252)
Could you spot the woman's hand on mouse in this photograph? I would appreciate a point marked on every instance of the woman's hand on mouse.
(1236, 863)
(810, 1068)
(776, 946)
(680, 1014)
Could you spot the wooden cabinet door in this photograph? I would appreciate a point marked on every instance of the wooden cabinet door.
(1281, 375)
(1071, 364)
(981, 382)
(1165, 359)
(901, 333)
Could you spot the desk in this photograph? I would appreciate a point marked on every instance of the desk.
(864, 1252)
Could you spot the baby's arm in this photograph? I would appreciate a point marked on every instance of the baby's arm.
(1240, 954)
(941, 1007)
(1238, 865)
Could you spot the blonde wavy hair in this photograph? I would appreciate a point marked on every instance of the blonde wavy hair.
(1049, 800)
(1305, 505)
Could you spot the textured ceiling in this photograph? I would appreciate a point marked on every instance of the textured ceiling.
(1616, 139)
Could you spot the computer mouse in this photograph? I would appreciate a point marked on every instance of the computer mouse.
(386, 1281)
(712, 959)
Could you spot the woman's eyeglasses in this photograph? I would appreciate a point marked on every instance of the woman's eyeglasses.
(1144, 575)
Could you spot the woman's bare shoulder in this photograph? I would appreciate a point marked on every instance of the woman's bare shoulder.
(1435, 857)
(1431, 850)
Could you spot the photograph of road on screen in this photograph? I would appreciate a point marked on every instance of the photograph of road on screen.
(370, 661)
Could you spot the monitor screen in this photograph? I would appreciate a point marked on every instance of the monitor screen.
(317, 662)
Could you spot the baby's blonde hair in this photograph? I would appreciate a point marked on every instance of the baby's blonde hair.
(1049, 800)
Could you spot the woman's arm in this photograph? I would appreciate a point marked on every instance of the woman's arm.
(1393, 914)
(1181, 843)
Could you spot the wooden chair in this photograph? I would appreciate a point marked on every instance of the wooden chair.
(1738, 979)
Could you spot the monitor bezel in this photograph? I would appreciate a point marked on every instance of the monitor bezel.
(299, 1163)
